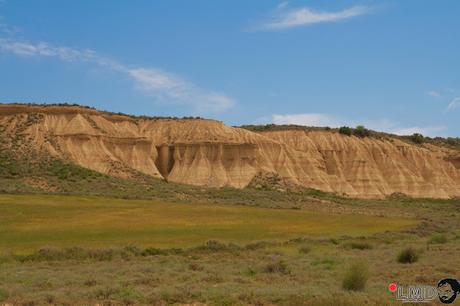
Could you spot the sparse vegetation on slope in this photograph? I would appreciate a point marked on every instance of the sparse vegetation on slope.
(69, 106)
(449, 142)
(282, 127)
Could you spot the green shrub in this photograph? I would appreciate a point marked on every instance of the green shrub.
(417, 138)
(3, 294)
(277, 267)
(326, 263)
(215, 246)
(304, 249)
(152, 252)
(90, 282)
(128, 295)
(249, 272)
(361, 131)
(358, 245)
(356, 277)
(398, 196)
(453, 141)
(437, 239)
(50, 299)
(408, 255)
(104, 293)
(195, 267)
(103, 254)
(73, 253)
(334, 241)
(131, 249)
(345, 130)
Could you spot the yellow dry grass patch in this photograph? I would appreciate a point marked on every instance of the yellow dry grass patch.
(30, 222)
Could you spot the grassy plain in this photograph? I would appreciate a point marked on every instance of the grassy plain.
(31, 222)
(73, 250)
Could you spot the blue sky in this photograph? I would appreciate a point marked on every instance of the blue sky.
(390, 65)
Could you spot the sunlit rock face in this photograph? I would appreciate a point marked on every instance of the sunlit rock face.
(209, 153)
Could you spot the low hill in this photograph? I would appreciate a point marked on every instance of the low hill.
(202, 152)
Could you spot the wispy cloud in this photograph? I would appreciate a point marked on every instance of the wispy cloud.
(166, 85)
(434, 94)
(446, 92)
(153, 82)
(44, 49)
(7, 29)
(427, 130)
(385, 125)
(310, 119)
(455, 103)
(284, 17)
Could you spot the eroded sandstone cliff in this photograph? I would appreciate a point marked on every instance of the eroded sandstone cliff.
(209, 153)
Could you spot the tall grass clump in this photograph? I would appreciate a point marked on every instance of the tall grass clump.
(3, 294)
(356, 277)
(358, 245)
(277, 267)
(304, 249)
(438, 239)
(408, 255)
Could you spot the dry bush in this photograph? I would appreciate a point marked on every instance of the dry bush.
(356, 277)
(408, 255)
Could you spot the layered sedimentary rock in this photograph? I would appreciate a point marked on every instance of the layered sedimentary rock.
(209, 153)
(374, 167)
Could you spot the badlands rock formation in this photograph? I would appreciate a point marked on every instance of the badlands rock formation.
(209, 153)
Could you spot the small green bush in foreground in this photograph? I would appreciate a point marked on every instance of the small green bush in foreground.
(408, 255)
(356, 277)
(438, 239)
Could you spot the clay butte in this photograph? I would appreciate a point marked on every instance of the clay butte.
(209, 153)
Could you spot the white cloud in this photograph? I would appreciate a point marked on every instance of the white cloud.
(150, 79)
(311, 119)
(434, 94)
(44, 49)
(284, 18)
(154, 82)
(455, 103)
(384, 125)
(160, 84)
(6, 29)
(282, 5)
(426, 131)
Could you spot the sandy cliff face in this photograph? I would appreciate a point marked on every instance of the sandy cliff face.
(373, 167)
(208, 153)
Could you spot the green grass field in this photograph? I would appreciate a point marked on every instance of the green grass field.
(75, 250)
(31, 222)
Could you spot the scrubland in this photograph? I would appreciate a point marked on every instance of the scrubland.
(294, 248)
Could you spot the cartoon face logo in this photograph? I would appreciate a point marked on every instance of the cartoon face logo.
(448, 289)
